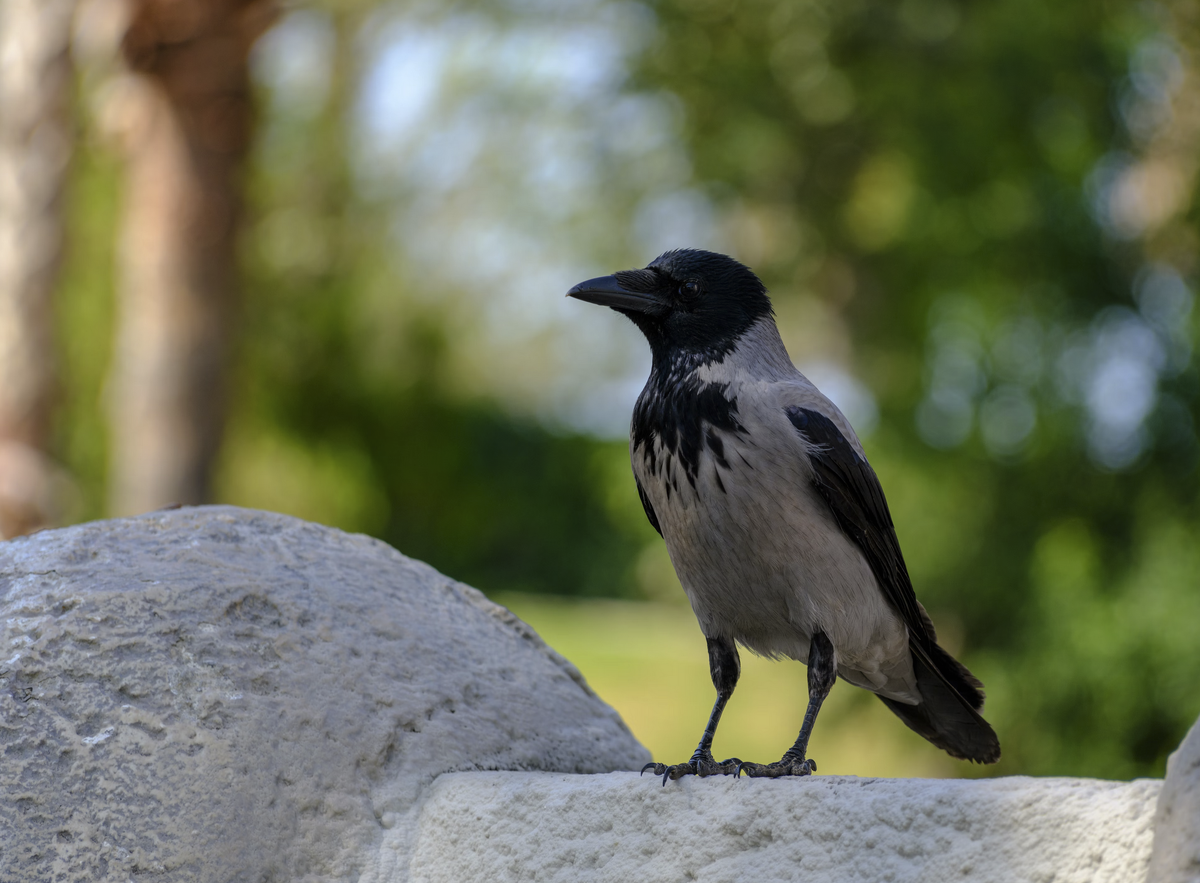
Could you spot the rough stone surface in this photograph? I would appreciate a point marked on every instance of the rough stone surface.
(214, 694)
(1176, 855)
(824, 829)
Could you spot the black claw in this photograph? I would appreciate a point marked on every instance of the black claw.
(787, 766)
(697, 766)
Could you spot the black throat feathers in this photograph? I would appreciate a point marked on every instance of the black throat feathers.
(684, 414)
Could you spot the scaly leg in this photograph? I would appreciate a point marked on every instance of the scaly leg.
(822, 672)
(725, 667)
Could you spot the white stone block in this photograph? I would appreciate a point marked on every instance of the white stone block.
(824, 829)
(1176, 856)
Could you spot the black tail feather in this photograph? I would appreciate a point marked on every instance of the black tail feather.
(948, 714)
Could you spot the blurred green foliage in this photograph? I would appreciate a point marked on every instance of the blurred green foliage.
(84, 317)
(339, 358)
(933, 160)
(929, 172)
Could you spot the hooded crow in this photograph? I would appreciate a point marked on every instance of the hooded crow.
(776, 524)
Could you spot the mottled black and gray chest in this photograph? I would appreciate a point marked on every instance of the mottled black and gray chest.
(681, 426)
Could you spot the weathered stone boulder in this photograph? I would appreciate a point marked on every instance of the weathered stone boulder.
(214, 694)
(1176, 855)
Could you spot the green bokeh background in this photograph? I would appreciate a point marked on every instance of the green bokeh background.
(917, 182)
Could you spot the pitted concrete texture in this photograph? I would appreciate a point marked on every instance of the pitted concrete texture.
(824, 829)
(1176, 856)
(215, 694)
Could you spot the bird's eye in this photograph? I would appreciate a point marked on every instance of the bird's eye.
(689, 289)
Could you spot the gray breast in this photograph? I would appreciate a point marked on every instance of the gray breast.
(757, 550)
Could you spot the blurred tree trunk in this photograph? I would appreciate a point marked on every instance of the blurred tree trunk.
(1164, 179)
(35, 147)
(191, 123)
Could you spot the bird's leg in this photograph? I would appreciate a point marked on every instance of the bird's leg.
(822, 672)
(724, 666)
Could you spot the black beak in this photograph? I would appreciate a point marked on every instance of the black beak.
(608, 292)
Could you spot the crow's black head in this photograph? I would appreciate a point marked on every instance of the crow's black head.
(686, 300)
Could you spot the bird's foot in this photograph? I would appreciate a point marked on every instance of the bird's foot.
(788, 766)
(702, 765)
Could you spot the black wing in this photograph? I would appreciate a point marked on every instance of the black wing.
(849, 485)
(646, 505)
(951, 697)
